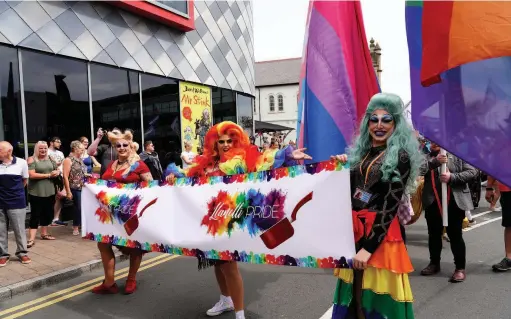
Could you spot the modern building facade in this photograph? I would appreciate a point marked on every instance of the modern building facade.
(70, 67)
(277, 90)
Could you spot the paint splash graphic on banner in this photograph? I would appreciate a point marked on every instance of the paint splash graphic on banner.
(252, 211)
(116, 207)
(240, 256)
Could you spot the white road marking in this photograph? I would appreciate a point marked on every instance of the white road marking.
(482, 214)
(328, 314)
(482, 224)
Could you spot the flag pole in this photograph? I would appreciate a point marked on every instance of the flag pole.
(443, 169)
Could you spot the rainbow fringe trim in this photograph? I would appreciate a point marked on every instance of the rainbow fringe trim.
(263, 176)
(385, 294)
(246, 257)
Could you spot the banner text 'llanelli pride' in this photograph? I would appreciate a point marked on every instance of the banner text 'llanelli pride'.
(266, 211)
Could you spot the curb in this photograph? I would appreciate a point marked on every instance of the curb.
(19, 288)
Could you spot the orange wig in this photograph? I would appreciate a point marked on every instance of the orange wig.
(239, 138)
(241, 147)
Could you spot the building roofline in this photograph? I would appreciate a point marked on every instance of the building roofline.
(278, 60)
(281, 84)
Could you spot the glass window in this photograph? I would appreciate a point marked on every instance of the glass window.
(224, 105)
(56, 99)
(115, 99)
(176, 6)
(11, 119)
(272, 103)
(160, 104)
(281, 102)
(245, 113)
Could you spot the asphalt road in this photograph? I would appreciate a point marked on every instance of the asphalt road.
(175, 289)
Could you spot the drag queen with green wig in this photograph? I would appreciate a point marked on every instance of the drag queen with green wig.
(384, 163)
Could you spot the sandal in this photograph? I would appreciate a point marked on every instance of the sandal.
(47, 237)
(30, 244)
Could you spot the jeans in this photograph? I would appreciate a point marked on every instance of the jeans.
(17, 220)
(77, 207)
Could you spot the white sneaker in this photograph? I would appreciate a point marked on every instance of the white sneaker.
(220, 307)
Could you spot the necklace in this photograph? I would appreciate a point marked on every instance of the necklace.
(118, 166)
(369, 167)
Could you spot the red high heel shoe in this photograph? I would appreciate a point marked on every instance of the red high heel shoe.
(104, 290)
(131, 286)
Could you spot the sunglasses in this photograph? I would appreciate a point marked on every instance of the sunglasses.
(387, 118)
(222, 142)
(122, 145)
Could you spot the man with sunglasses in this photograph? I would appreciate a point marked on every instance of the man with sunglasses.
(104, 153)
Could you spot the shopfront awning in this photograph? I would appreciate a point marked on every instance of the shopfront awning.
(265, 127)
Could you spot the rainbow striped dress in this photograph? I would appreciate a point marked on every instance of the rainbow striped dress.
(385, 287)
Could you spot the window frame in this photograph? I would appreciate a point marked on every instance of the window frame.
(271, 103)
(280, 106)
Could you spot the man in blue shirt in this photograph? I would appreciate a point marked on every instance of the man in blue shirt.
(13, 179)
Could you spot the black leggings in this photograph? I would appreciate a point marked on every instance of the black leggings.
(41, 211)
(454, 231)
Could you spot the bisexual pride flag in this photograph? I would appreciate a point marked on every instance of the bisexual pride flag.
(337, 78)
(460, 74)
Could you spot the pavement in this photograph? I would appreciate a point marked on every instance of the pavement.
(171, 286)
(52, 261)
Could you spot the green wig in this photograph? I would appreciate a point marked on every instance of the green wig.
(402, 139)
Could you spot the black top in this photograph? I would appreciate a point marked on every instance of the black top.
(385, 195)
(153, 162)
(106, 154)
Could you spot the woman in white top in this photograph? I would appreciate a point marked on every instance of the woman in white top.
(187, 156)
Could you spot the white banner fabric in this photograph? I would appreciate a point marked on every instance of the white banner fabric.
(298, 216)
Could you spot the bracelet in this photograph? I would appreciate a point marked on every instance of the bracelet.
(489, 188)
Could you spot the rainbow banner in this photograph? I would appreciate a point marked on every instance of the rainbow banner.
(296, 216)
(460, 76)
(337, 78)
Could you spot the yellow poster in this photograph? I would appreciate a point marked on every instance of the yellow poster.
(196, 114)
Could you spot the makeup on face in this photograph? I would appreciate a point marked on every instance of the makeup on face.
(381, 126)
(385, 119)
(222, 142)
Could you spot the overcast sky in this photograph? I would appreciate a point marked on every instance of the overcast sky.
(279, 27)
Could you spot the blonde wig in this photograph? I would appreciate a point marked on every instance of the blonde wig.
(126, 136)
(115, 137)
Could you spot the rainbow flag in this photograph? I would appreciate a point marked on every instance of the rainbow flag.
(337, 78)
(460, 75)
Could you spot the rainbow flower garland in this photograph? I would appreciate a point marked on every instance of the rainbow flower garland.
(275, 174)
(246, 257)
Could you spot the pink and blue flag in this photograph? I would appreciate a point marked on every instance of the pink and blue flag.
(337, 78)
(460, 75)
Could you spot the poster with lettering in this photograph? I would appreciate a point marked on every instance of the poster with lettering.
(196, 113)
(295, 216)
